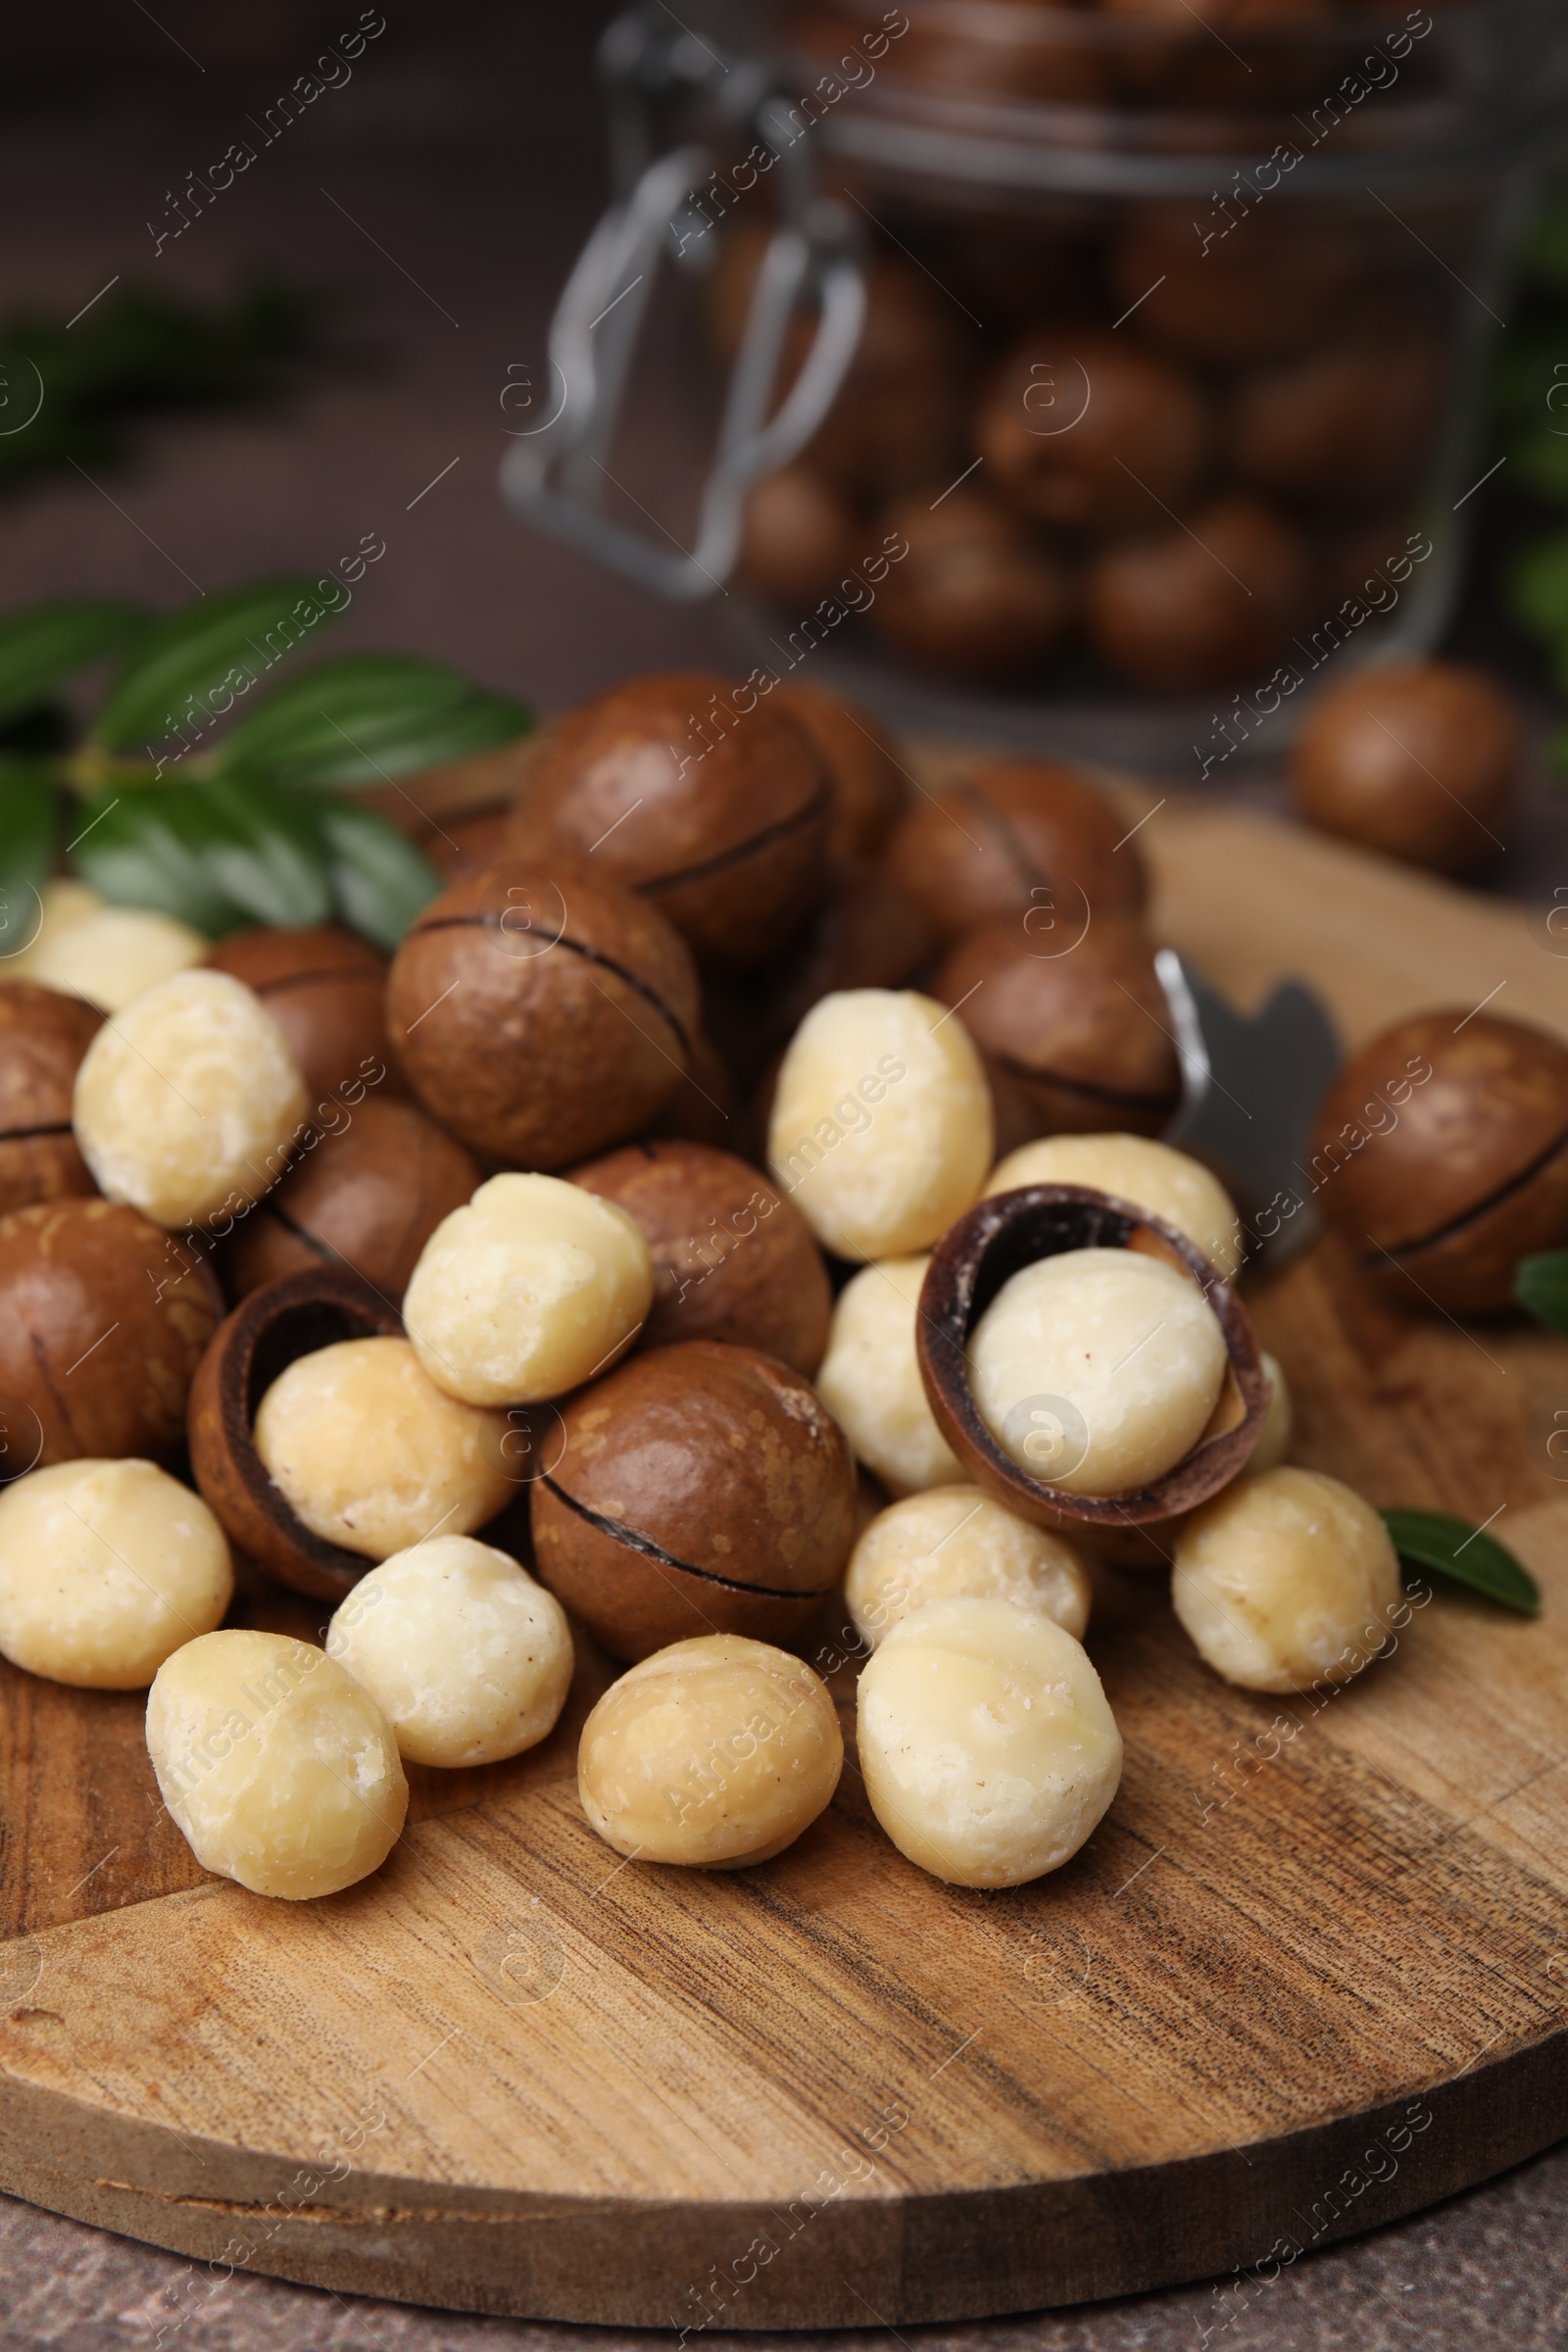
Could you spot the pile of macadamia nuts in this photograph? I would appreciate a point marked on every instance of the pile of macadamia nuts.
(1177, 431)
(739, 1201)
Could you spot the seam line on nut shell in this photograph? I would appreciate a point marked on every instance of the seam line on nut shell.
(1479, 1208)
(478, 922)
(1081, 1086)
(621, 1534)
(724, 858)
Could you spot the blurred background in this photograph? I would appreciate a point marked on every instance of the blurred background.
(1298, 373)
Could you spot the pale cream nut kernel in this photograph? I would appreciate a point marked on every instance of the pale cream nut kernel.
(1274, 1438)
(1134, 1167)
(534, 1288)
(713, 1753)
(881, 1130)
(110, 954)
(988, 1746)
(372, 1456)
(468, 1659)
(870, 1379)
(954, 1543)
(1286, 1579)
(188, 1102)
(279, 1769)
(106, 1568)
(1097, 1370)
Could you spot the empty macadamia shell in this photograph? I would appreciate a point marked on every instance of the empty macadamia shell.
(954, 1543)
(468, 1659)
(1284, 1580)
(881, 1130)
(988, 1747)
(532, 1288)
(275, 1766)
(106, 1569)
(188, 1102)
(712, 1754)
(1097, 1370)
(1134, 1167)
(372, 1456)
(870, 1380)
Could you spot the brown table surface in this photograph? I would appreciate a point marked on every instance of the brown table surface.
(442, 196)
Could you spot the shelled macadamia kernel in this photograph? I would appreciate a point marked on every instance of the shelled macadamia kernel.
(188, 1102)
(1134, 1167)
(1274, 1438)
(713, 1753)
(275, 1766)
(1097, 1370)
(1286, 1579)
(988, 1746)
(870, 1380)
(107, 954)
(954, 1543)
(106, 1569)
(468, 1659)
(372, 1456)
(531, 1289)
(881, 1128)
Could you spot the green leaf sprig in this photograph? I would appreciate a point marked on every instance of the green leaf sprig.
(207, 790)
(1466, 1554)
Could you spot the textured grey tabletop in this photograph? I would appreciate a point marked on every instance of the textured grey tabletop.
(445, 192)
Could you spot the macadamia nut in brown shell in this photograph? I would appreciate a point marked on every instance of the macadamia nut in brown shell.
(700, 796)
(1087, 433)
(973, 592)
(325, 988)
(43, 1036)
(702, 1489)
(1441, 1154)
(1082, 1037)
(1029, 839)
(714, 1752)
(1422, 761)
(542, 1016)
(1177, 609)
(732, 1260)
(368, 1195)
(104, 1319)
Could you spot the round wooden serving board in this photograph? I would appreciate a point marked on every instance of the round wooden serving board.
(1311, 1973)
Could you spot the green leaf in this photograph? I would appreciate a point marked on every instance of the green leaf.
(379, 880)
(26, 852)
(193, 667)
(1467, 1554)
(369, 718)
(227, 851)
(1541, 1286)
(1538, 588)
(146, 846)
(45, 644)
(265, 853)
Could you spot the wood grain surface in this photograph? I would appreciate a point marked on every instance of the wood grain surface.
(1311, 1973)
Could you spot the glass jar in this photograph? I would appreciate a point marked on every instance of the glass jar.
(1167, 390)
